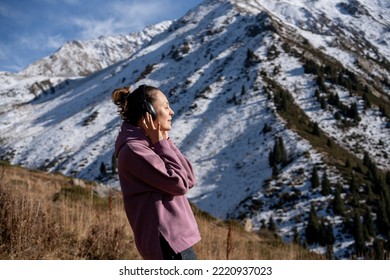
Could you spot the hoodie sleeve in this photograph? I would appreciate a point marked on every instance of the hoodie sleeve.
(185, 162)
(160, 168)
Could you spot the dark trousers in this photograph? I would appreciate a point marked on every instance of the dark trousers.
(169, 254)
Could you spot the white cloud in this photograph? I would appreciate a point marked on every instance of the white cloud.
(8, 60)
(30, 42)
(121, 18)
(55, 42)
(9, 14)
(3, 52)
(72, 2)
(37, 28)
(92, 29)
(3, 11)
(40, 41)
(141, 10)
(142, 13)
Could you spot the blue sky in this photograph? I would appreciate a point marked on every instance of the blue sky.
(33, 29)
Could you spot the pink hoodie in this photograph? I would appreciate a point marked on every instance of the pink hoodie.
(154, 181)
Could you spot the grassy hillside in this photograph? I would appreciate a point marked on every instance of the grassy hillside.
(50, 216)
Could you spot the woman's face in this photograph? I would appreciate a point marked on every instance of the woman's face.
(163, 111)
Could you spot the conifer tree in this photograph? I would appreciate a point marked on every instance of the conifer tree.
(379, 251)
(384, 190)
(320, 83)
(267, 128)
(372, 172)
(329, 252)
(251, 58)
(296, 237)
(334, 99)
(367, 160)
(323, 102)
(243, 90)
(315, 181)
(313, 227)
(316, 129)
(271, 225)
(355, 198)
(326, 235)
(383, 111)
(275, 171)
(103, 170)
(353, 112)
(278, 153)
(358, 235)
(353, 185)
(368, 223)
(318, 231)
(329, 143)
(283, 156)
(325, 184)
(317, 94)
(338, 203)
(370, 195)
(382, 219)
(385, 195)
(271, 159)
(367, 102)
(263, 224)
(113, 164)
(310, 67)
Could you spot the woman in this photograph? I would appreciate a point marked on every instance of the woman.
(154, 176)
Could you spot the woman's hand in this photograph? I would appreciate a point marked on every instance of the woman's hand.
(154, 133)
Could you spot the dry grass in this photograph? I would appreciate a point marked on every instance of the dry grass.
(43, 216)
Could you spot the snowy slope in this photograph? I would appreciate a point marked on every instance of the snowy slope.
(214, 65)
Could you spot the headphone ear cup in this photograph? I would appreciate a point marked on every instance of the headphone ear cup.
(149, 108)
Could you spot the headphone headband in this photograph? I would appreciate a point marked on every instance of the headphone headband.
(147, 106)
(143, 92)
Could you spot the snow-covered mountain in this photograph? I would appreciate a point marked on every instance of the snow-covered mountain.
(264, 92)
(74, 60)
(81, 58)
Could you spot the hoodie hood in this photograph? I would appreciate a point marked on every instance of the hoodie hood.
(129, 133)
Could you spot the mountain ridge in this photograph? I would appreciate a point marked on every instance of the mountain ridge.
(93, 55)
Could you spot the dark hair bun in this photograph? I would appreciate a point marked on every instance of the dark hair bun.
(119, 96)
